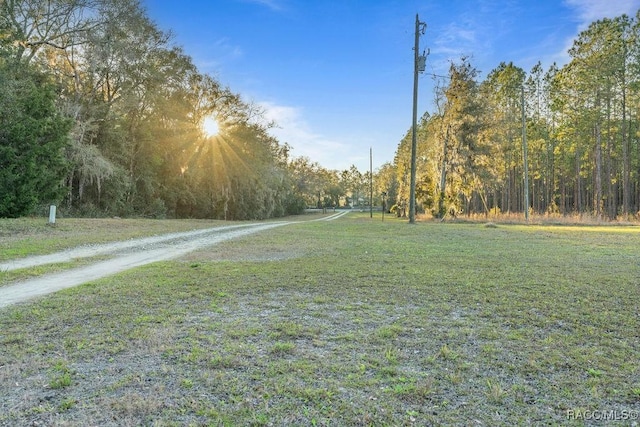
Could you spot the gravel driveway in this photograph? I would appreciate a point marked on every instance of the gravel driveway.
(126, 254)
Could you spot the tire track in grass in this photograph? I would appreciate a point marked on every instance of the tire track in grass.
(89, 251)
(333, 216)
(168, 247)
(136, 253)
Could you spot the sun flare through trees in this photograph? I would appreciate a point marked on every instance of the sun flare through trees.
(210, 126)
(150, 135)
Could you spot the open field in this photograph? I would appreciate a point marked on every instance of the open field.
(349, 322)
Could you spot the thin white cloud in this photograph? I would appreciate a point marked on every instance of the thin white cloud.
(211, 57)
(293, 129)
(471, 32)
(591, 10)
(271, 4)
(456, 34)
(228, 49)
(449, 44)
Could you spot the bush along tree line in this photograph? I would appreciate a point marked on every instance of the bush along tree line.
(102, 115)
(582, 130)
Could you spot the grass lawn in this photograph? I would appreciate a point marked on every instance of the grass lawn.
(352, 322)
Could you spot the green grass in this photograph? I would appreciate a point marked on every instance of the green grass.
(23, 274)
(23, 237)
(373, 324)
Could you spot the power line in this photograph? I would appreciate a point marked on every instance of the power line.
(437, 75)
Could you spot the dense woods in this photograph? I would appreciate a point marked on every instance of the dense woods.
(101, 114)
(582, 128)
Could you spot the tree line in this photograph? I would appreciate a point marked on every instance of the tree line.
(581, 125)
(101, 114)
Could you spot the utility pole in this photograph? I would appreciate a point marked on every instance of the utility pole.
(418, 67)
(384, 203)
(525, 159)
(370, 182)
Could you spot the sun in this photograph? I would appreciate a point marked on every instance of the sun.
(210, 126)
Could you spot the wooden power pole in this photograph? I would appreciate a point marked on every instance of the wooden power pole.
(370, 182)
(418, 67)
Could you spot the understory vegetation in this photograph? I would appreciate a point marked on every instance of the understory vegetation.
(350, 322)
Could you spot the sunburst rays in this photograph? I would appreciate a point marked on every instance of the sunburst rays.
(220, 156)
(210, 126)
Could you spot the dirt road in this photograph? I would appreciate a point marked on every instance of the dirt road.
(127, 254)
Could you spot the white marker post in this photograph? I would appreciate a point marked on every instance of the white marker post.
(52, 214)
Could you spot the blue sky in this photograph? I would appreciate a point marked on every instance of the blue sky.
(337, 75)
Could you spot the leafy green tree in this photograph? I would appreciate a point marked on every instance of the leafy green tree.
(355, 185)
(465, 120)
(313, 183)
(385, 181)
(33, 136)
(33, 26)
